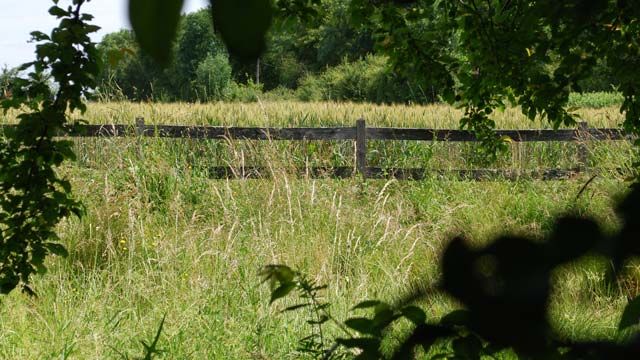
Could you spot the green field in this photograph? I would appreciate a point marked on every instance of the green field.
(159, 237)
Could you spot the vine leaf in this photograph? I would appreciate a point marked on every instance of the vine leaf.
(155, 24)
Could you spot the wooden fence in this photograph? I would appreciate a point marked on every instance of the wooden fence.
(359, 133)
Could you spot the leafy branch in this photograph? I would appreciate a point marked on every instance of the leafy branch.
(33, 197)
(505, 291)
(283, 280)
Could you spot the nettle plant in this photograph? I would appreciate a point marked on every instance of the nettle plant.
(505, 291)
(33, 196)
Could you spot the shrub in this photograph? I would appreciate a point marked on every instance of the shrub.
(310, 89)
(249, 92)
(279, 94)
(505, 288)
(213, 77)
(366, 80)
(595, 99)
(280, 69)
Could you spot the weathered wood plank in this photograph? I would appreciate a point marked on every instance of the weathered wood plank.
(516, 135)
(608, 134)
(361, 147)
(258, 172)
(261, 172)
(209, 132)
(337, 133)
(473, 174)
(464, 135)
(100, 131)
(245, 133)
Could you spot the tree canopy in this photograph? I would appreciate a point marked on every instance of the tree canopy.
(480, 55)
(494, 53)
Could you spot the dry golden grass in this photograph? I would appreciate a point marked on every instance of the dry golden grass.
(294, 113)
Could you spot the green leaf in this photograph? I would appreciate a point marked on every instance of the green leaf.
(280, 273)
(467, 347)
(56, 249)
(384, 315)
(295, 307)
(323, 319)
(91, 28)
(369, 346)
(456, 317)
(155, 24)
(242, 24)
(28, 290)
(281, 291)
(631, 314)
(366, 304)
(414, 314)
(39, 36)
(58, 12)
(8, 283)
(362, 325)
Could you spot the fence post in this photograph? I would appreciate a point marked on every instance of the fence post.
(583, 151)
(139, 133)
(361, 147)
(139, 126)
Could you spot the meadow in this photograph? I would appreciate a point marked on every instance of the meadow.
(161, 238)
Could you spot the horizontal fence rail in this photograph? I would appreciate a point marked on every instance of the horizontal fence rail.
(260, 172)
(359, 133)
(337, 133)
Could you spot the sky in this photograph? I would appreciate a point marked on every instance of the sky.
(18, 18)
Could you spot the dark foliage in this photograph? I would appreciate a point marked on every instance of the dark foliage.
(504, 289)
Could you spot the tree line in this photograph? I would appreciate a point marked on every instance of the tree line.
(326, 58)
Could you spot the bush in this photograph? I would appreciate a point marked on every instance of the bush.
(280, 69)
(601, 79)
(310, 89)
(595, 99)
(213, 77)
(249, 92)
(366, 80)
(279, 94)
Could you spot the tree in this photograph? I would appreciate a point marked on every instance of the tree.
(33, 196)
(494, 53)
(486, 54)
(7, 79)
(134, 75)
(196, 42)
(213, 77)
(125, 72)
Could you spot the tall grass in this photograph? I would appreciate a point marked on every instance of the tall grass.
(160, 237)
(292, 113)
(384, 154)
